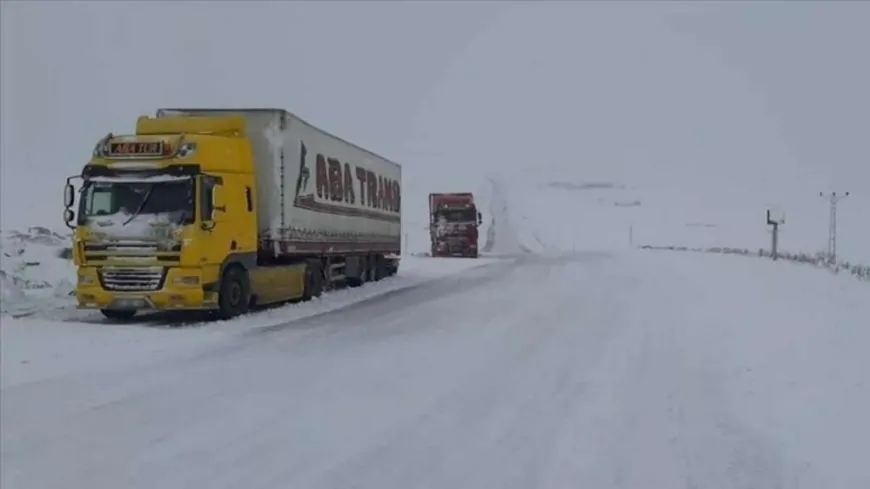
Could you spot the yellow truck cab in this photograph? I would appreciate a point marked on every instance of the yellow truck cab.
(175, 217)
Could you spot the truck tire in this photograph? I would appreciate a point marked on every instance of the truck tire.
(235, 293)
(382, 269)
(372, 269)
(117, 315)
(313, 281)
(392, 267)
(364, 270)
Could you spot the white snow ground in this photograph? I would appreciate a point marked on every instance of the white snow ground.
(58, 340)
(625, 369)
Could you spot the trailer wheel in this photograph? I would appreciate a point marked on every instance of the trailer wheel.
(382, 269)
(117, 315)
(371, 274)
(313, 281)
(363, 268)
(234, 296)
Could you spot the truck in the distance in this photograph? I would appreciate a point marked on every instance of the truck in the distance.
(453, 224)
(225, 209)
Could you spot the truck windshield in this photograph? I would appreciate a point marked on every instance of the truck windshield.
(458, 215)
(170, 199)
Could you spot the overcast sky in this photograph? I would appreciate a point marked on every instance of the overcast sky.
(771, 96)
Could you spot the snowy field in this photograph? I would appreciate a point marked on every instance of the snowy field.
(618, 215)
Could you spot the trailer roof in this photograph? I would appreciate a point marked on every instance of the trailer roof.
(282, 111)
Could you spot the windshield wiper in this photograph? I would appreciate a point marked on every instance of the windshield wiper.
(141, 206)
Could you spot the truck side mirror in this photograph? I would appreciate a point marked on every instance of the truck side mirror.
(218, 204)
(69, 195)
(68, 216)
(479, 218)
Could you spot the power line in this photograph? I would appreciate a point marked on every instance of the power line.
(833, 199)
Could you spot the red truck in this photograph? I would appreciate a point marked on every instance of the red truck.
(453, 224)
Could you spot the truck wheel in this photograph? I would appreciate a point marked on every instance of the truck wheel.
(382, 269)
(117, 315)
(234, 295)
(363, 268)
(372, 269)
(313, 281)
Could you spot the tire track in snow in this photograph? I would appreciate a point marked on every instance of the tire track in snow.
(490, 406)
(675, 427)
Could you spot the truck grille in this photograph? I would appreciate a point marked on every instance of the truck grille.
(132, 279)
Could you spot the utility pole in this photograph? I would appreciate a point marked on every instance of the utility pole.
(774, 245)
(833, 198)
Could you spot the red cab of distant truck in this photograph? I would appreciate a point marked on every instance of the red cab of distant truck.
(453, 224)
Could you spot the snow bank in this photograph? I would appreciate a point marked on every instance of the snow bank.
(34, 270)
(414, 270)
(819, 260)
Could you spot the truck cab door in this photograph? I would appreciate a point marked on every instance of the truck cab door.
(229, 217)
(216, 233)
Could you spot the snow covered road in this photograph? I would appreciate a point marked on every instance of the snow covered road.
(624, 370)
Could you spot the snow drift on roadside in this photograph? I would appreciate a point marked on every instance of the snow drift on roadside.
(33, 270)
(34, 348)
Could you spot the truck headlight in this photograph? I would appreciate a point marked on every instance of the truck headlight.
(87, 280)
(186, 280)
(169, 245)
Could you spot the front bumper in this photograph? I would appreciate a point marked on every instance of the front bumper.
(173, 294)
(454, 248)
